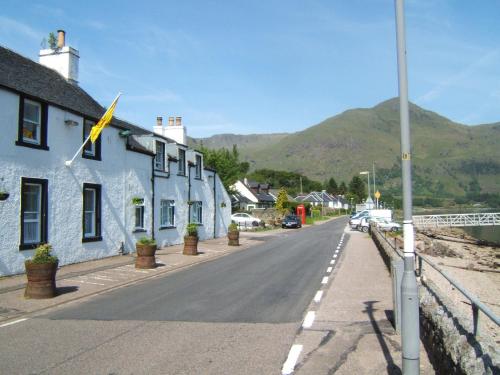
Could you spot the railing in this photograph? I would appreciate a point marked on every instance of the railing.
(457, 220)
(476, 304)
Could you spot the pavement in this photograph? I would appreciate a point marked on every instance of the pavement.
(347, 328)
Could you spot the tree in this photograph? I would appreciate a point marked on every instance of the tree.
(226, 163)
(281, 201)
(342, 190)
(52, 40)
(357, 188)
(331, 186)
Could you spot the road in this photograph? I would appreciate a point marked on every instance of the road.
(236, 315)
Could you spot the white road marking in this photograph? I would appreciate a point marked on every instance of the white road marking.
(291, 361)
(102, 277)
(329, 269)
(325, 280)
(332, 261)
(335, 255)
(309, 319)
(317, 297)
(13, 322)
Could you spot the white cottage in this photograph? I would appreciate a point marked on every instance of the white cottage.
(130, 183)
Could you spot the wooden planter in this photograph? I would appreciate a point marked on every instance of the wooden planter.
(190, 245)
(233, 238)
(145, 256)
(41, 280)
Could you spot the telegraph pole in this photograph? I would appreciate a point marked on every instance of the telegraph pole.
(410, 331)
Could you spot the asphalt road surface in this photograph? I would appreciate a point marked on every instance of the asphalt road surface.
(236, 315)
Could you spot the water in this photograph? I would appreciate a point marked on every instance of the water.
(485, 233)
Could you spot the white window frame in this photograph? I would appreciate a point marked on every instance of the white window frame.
(37, 219)
(167, 213)
(160, 157)
(92, 212)
(139, 216)
(197, 212)
(37, 140)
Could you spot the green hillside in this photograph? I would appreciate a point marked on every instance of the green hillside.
(446, 156)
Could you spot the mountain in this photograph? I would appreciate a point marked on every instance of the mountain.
(446, 156)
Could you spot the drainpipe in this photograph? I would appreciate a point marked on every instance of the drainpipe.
(153, 197)
(215, 206)
(189, 192)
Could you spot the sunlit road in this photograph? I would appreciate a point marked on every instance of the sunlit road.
(236, 315)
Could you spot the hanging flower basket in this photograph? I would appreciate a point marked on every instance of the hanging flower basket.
(4, 195)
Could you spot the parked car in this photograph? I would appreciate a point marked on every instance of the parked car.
(246, 220)
(291, 221)
(355, 221)
(382, 223)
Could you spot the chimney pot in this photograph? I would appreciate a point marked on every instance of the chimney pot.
(61, 36)
(159, 121)
(178, 121)
(170, 121)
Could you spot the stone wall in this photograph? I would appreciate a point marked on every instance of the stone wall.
(445, 331)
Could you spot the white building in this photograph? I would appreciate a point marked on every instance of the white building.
(115, 191)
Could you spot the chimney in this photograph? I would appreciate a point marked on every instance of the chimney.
(61, 36)
(63, 60)
(175, 130)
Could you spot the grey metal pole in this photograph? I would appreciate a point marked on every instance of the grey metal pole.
(410, 330)
(374, 187)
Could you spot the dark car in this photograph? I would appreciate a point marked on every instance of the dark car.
(291, 221)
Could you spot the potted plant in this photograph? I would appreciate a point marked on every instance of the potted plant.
(191, 240)
(41, 273)
(146, 249)
(233, 235)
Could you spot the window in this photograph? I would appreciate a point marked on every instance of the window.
(91, 213)
(32, 124)
(167, 213)
(196, 213)
(198, 167)
(33, 212)
(182, 162)
(160, 156)
(90, 150)
(139, 215)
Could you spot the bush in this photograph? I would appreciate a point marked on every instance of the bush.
(43, 255)
(192, 229)
(146, 241)
(233, 227)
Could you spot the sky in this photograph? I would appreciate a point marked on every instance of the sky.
(269, 66)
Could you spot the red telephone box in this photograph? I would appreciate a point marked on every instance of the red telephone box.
(301, 212)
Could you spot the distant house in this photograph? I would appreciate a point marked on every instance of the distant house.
(130, 183)
(274, 193)
(322, 198)
(256, 193)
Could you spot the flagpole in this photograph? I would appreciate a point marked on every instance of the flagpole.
(69, 162)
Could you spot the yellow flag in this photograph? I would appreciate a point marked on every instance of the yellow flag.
(104, 121)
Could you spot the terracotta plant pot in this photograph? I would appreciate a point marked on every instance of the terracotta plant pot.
(145, 256)
(190, 245)
(41, 280)
(233, 238)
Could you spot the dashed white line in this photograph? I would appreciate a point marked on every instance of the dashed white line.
(329, 269)
(335, 255)
(325, 280)
(13, 322)
(317, 297)
(290, 362)
(309, 319)
(332, 261)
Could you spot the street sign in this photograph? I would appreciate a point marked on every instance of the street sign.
(377, 194)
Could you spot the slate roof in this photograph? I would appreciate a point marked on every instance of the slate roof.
(26, 76)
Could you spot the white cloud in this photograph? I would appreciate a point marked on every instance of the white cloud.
(11, 27)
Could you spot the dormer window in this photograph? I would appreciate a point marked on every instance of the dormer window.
(182, 162)
(160, 156)
(32, 130)
(198, 167)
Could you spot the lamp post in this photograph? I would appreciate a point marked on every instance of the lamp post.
(367, 173)
(410, 331)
